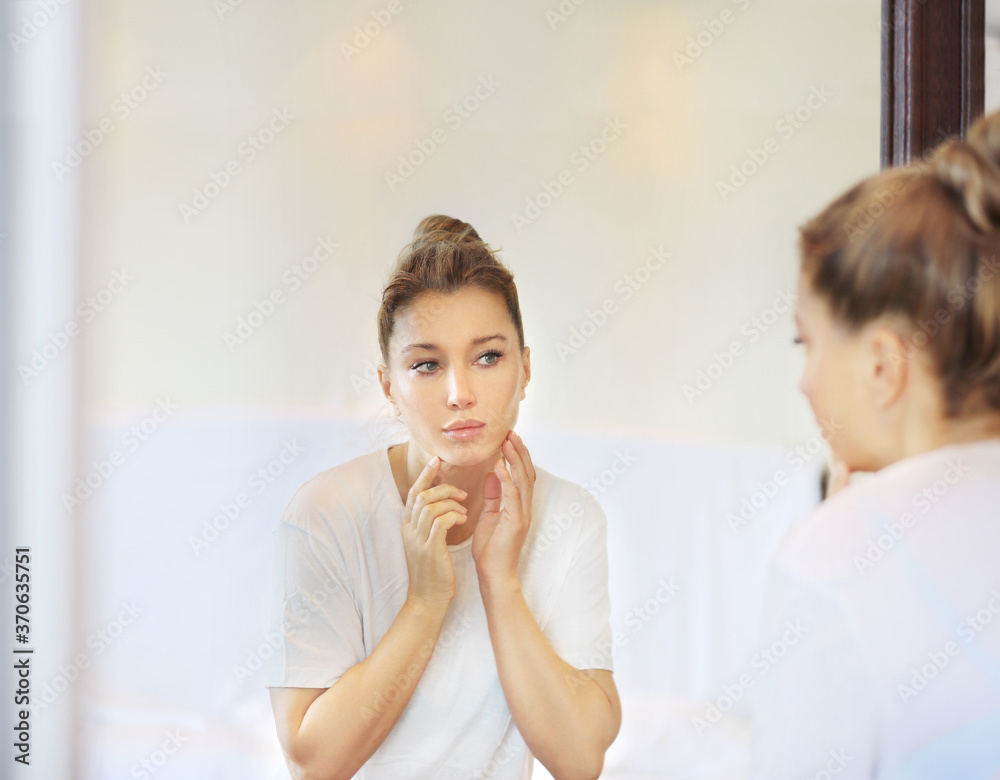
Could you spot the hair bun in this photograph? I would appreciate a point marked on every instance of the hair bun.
(970, 169)
(438, 227)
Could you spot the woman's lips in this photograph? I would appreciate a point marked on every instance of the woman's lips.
(465, 431)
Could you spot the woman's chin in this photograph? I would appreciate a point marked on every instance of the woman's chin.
(466, 454)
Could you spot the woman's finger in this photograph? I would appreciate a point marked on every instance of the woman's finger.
(441, 525)
(511, 494)
(431, 512)
(514, 462)
(438, 493)
(423, 481)
(522, 450)
(430, 498)
(519, 473)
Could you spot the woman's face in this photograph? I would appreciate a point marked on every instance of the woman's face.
(837, 381)
(456, 374)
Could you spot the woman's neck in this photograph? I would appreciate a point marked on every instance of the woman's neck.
(408, 461)
(944, 432)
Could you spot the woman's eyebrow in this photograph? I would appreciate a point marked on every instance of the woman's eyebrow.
(484, 339)
(475, 342)
(411, 347)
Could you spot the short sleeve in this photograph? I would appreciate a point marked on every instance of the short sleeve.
(579, 626)
(814, 711)
(316, 627)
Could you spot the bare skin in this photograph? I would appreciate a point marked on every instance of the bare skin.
(880, 386)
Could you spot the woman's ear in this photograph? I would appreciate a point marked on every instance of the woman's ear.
(386, 384)
(526, 360)
(888, 366)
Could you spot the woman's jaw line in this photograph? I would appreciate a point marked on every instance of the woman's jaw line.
(451, 462)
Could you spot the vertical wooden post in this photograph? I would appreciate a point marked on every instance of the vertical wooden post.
(932, 73)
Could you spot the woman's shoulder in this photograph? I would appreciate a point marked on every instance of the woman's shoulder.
(558, 497)
(348, 489)
(836, 534)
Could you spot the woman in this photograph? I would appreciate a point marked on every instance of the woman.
(431, 629)
(884, 612)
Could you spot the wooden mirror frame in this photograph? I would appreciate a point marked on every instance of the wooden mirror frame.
(933, 63)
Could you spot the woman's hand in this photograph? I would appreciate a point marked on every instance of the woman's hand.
(430, 511)
(500, 533)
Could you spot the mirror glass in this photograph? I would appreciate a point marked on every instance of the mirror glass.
(247, 173)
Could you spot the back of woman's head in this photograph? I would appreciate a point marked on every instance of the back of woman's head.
(923, 242)
(445, 256)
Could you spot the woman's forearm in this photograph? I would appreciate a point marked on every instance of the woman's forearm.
(345, 725)
(565, 717)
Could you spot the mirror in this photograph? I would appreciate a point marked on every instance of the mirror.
(246, 174)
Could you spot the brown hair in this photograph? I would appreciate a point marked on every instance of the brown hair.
(923, 241)
(445, 256)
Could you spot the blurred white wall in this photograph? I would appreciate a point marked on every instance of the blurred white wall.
(222, 73)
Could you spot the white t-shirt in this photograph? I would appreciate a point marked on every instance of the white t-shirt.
(341, 579)
(883, 628)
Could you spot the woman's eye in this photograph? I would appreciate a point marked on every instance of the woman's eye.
(490, 358)
(424, 367)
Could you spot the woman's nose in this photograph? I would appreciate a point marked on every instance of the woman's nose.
(460, 393)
